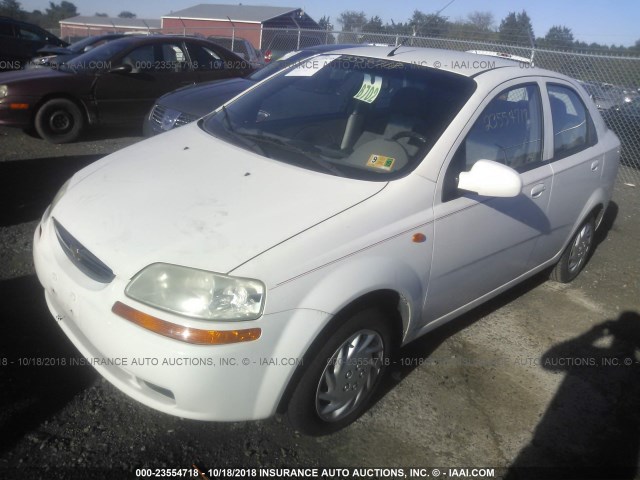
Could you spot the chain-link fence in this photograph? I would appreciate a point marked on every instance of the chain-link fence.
(611, 81)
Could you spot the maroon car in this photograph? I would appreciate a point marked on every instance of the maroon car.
(115, 83)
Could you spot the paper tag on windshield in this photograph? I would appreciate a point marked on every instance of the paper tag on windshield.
(310, 66)
(369, 91)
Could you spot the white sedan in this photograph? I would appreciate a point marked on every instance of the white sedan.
(272, 256)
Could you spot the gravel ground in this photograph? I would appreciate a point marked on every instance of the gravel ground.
(508, 386)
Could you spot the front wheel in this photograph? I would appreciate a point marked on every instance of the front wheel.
(576, 254)
(338, 384)
(59, 121)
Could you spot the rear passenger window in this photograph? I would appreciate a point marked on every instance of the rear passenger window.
(509, 131)
(573, 129)
(204, 59)
(30, 34)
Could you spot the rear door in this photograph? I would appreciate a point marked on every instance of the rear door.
(577, 163)
(211, 62)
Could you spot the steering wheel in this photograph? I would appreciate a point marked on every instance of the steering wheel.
(410, 134)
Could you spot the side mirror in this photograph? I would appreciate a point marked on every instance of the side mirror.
(491, 179)
(124, 68)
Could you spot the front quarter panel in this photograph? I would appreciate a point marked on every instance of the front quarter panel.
(368, 248)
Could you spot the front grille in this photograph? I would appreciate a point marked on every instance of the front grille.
(157, 113)
(178, 119)
(82, 258)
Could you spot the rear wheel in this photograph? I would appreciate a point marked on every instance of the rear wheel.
(576, 254)
(59, 121)
(338, 384)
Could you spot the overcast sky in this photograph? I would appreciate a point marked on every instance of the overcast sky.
(601, 21)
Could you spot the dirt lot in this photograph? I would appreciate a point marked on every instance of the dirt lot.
(544, 376)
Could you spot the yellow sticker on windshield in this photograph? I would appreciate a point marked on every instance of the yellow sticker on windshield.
(381, 162)
(370, 89)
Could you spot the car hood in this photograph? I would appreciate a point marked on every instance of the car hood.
(187, 198)
(200, 99)
(53, 50)
(32, 75)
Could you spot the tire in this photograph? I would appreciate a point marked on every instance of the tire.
(576, 254)
(59, 121)
(337, 386)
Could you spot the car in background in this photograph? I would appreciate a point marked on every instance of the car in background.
(19, 42)
(51, 56)
(187, 104)
(241, 47)
(283, 247)
(115, 83)
(606, 96)
(625, 121)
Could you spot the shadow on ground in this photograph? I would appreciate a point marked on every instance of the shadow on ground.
(32, 347)
(28, 186)
(591, 429)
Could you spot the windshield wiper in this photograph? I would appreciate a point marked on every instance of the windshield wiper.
(306, 152)
(241, 137)
(227, 119)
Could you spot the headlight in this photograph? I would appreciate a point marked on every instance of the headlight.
(198, 293)
(4, 91)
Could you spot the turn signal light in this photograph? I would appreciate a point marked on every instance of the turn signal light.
(182, 333)
(18, 106)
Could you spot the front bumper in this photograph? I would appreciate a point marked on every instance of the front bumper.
(11, 116)
(242, 381)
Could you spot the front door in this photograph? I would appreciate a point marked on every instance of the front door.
(156, 69)
(481, 243)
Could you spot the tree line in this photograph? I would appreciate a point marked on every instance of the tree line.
(514, 29)
(51, 17)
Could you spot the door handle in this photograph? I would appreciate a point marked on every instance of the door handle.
(537, 190)
(595, 165)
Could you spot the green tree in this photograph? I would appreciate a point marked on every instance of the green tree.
(352, 21)
(374, 25)
(97, 14)
(55, 13)
(558, 37)
(127, 14)
(481, 21)
(11, 8)
(428, 24)
(326, 25)
(516, 29)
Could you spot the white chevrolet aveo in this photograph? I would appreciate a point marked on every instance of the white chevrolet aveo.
(271, 256)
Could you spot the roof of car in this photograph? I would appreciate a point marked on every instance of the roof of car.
(462, 63)
(247, 13)
(142, 23)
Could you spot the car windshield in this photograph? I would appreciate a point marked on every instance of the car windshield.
(363, 118)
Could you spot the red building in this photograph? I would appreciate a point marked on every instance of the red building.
(253, 23)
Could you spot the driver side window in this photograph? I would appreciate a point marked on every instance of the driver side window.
(508, 131)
